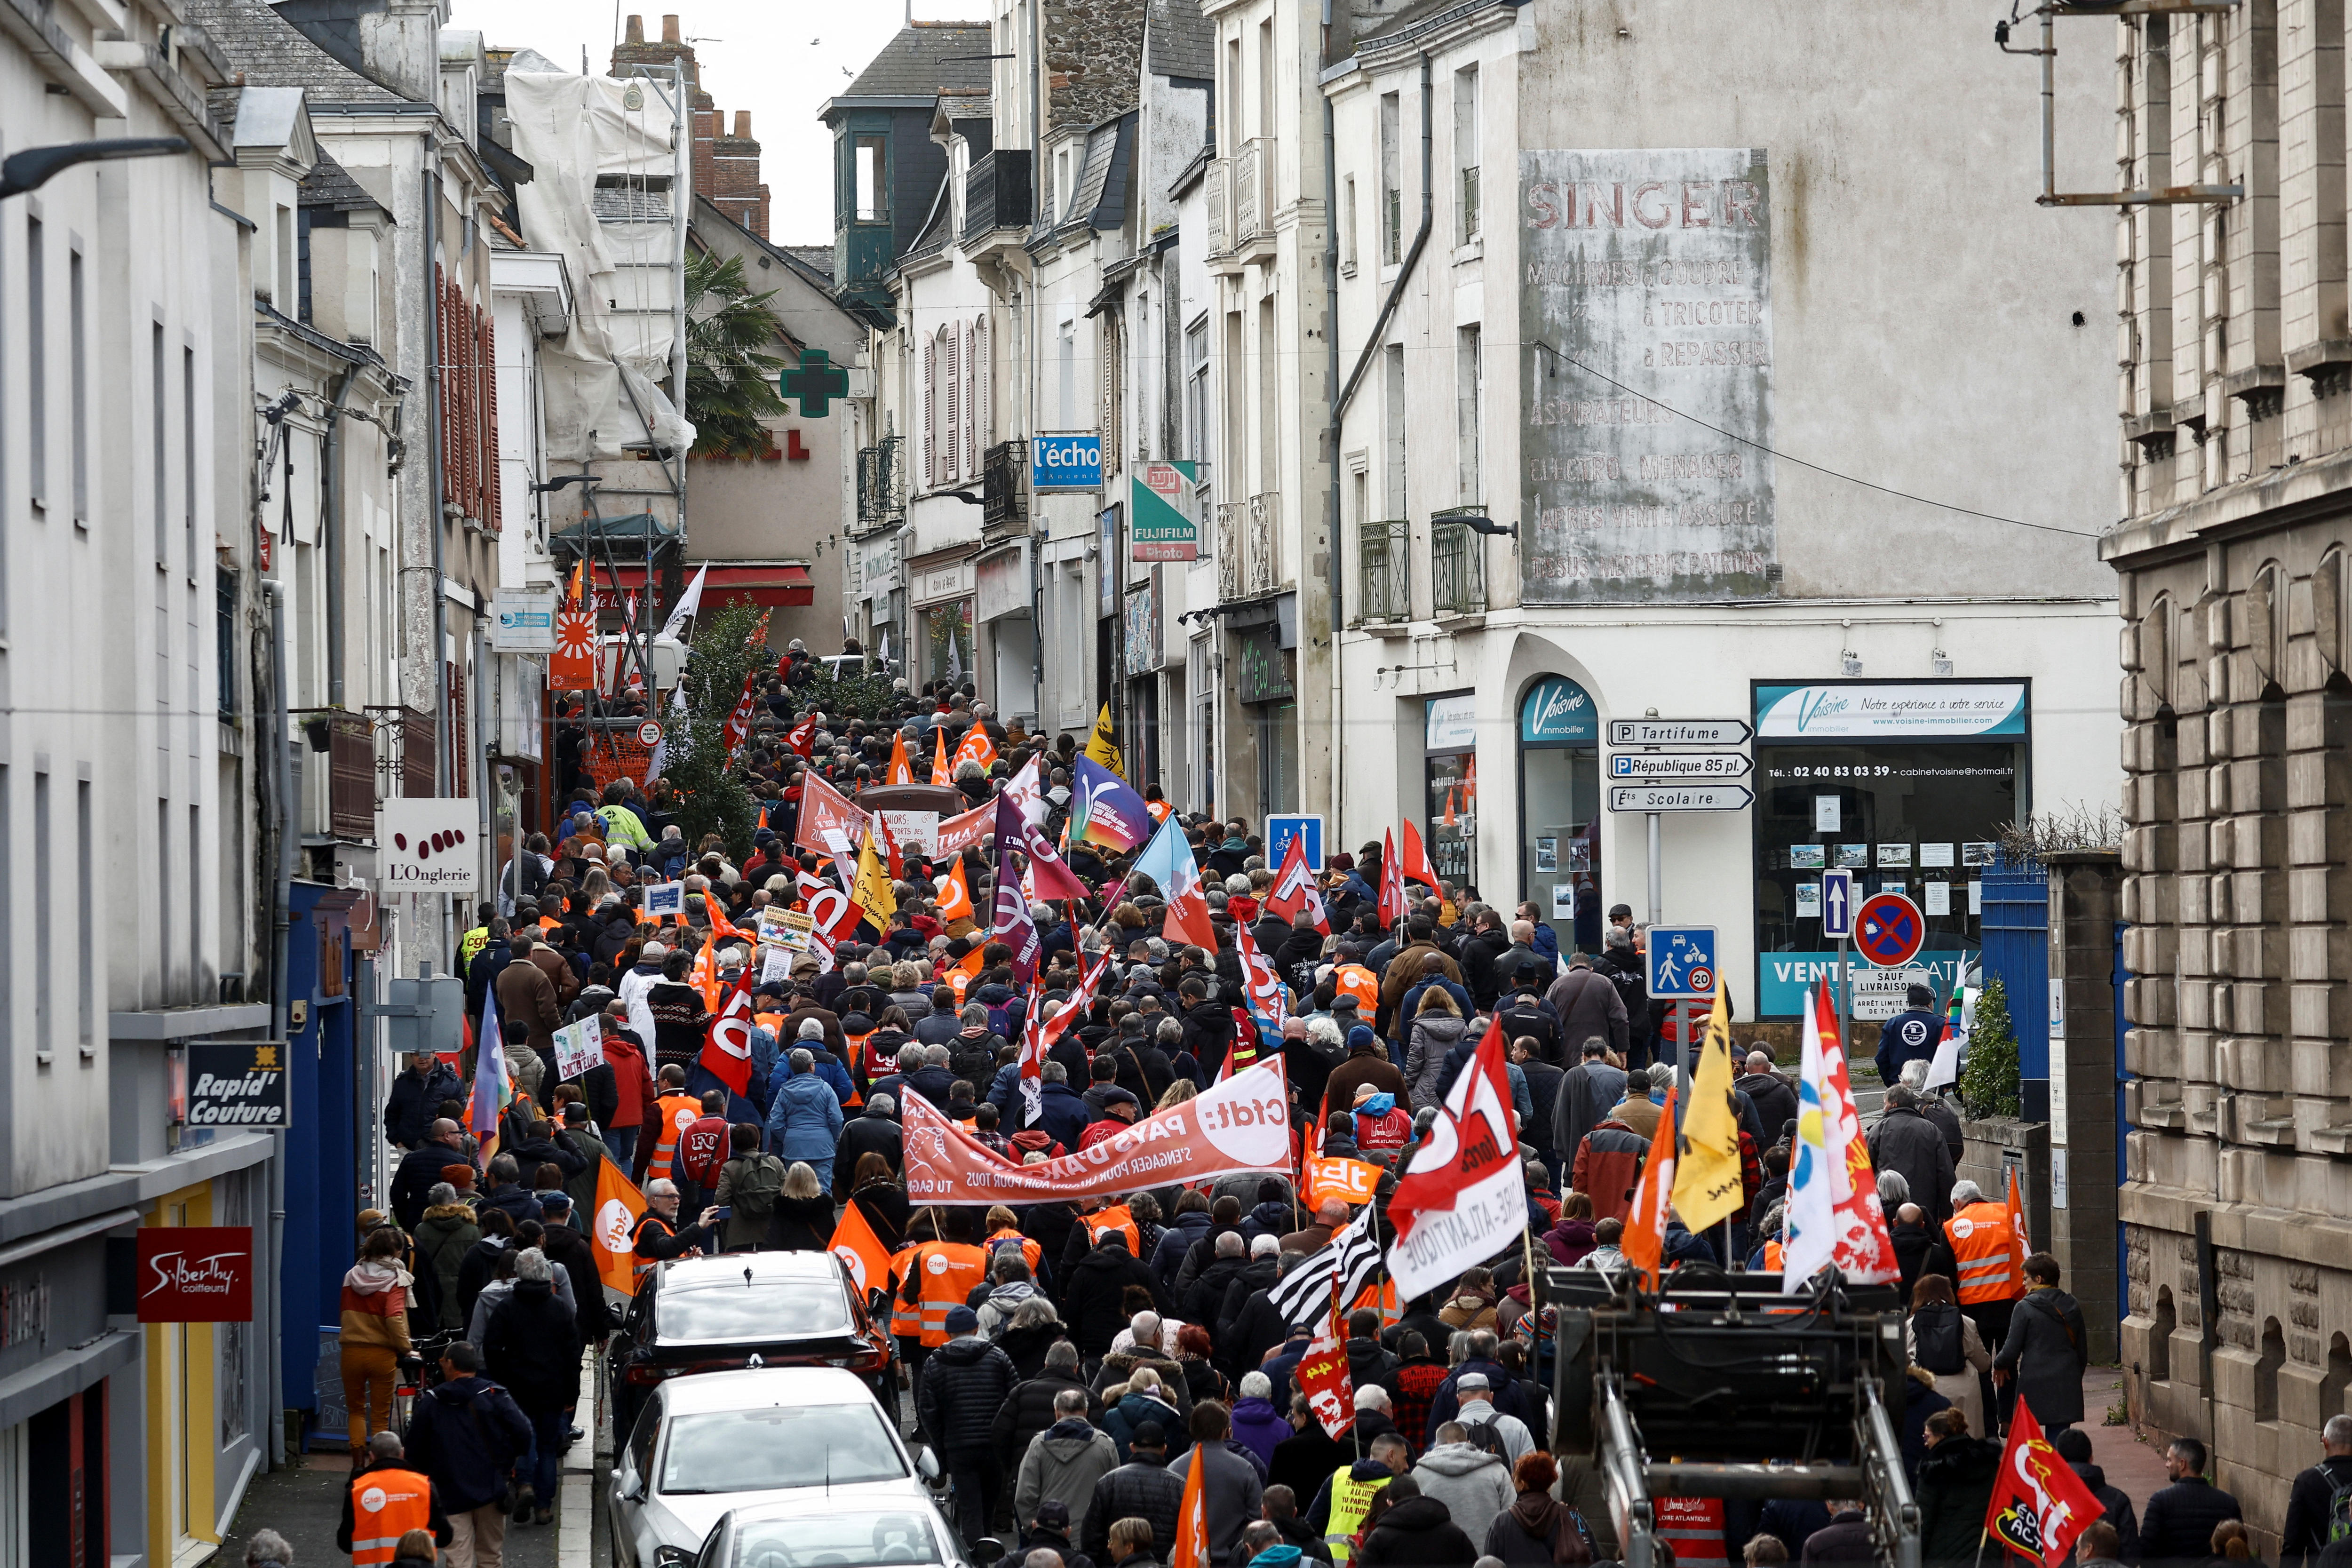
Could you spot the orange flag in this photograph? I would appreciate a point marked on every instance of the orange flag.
(976, 748)
(619, 1205)
(855, 1243)
(705, 977)
(1448, 821)
(961, 974)
(1644, 1240)
(955, 898)
(1192, 1519)
(762, 822)
(901, 771)
(939, 774)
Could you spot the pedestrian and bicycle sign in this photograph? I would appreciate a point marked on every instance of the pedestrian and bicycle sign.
(1837, 905)
(1680, 797)
(1682, 967)
(1889, 930)
(1679, 765)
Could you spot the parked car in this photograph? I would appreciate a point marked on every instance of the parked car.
(710, 1314)
(702, 1445)
(808, 1531)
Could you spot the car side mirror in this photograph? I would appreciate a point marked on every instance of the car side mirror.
(633, 1487)
(927, 1465)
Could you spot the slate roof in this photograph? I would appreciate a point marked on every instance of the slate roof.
(623, 204)
(915, 63)
(270, 51)
(1179, 41)
(330, 186)
(817, 258)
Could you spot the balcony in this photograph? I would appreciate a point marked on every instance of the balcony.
(1216, 196)
(1003, 503)
(1386, 585)
(1254, 197)
(881, 484)
(1457, 566)
(996, 195)
(1469, 204)
(351, 777)
(1233, 529)
(1249, 547)
(407, 756)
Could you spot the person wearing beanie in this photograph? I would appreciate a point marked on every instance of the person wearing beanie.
(1367, 1062)
(1143, 1488)
(964, 1383)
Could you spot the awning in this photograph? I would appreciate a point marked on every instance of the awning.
(780, 585)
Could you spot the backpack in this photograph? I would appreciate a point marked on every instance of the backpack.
(2335, 1523)
(758, 1182)
(1000, 1021)
(1936, 1338)
(1482, 1436)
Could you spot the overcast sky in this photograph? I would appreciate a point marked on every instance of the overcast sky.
(779, 59)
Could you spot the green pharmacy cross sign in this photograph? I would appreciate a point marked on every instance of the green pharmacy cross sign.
(817, 384)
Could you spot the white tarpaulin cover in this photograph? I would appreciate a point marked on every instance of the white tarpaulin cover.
(574, 130)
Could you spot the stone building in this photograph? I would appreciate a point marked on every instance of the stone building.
(2236, 485)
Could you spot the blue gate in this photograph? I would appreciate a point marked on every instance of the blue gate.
(2016, 935)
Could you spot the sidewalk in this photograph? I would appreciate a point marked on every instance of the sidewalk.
(303, 1501)
(2134, 1468)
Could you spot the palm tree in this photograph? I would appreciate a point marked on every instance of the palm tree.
(730, 378)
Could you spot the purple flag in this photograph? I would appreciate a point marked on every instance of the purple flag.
(1010, 923)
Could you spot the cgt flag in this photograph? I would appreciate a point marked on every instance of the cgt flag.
(619, 1206)
(2040, 1507)
(1295, 888)
(727, 1046)
(1462, 1198)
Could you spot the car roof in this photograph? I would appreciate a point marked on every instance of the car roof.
(764, 1268)
(807, 1500)
(755, 1388)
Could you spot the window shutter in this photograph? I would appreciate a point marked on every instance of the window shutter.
(493, 513)
(983, 409)
(930, 412)
(948, 346)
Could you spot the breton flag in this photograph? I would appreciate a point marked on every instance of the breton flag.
(1294, 889)
(1304, 1295)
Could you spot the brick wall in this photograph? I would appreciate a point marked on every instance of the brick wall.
(726, 161)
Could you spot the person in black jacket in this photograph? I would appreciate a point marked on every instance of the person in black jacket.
(567, 1247)
(1028, 1408)
(466, 1433)
(1259, 1325)
(415, 1100)
(964, 1383)
(2311, 1502)
(383, 1453)
(1141, 1489)
(2073, 1446)
(1404, 1527)
(420, 1170)
(533, 1347)
(2176, 1529)
(1093, 1298)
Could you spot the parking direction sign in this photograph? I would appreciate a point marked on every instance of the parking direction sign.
(1682, 967)
(1837, 905)
(1678, 733)
(1678, 765)
(1889, 930)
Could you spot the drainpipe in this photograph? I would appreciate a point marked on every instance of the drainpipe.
(281, 915)
(1331, 445)
(332, 533)
(434, 350)
(1404, 273)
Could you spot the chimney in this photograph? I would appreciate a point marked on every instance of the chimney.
(669, 28)
(743, 125)
(636, 33)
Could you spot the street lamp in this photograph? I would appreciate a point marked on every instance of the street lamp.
(33, 168)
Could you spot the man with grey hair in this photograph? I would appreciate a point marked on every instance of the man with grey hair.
(2313, 1507)
(874, 1131)
(1905, 1141)
(804, 1118)
(268, 1549)
(384, 1500)
(1932, 1107)
(1063, 1463)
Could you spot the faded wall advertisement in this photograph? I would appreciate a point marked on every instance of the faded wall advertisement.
(1644, 296)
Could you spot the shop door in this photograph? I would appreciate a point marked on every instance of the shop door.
(1559, 809)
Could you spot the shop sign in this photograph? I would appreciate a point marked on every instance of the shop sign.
(1865, 711)
(1069, 461)
(195, 1274)
(1162, 530)
(1004, 583)
(425, 844)
(1784, 980)
(1451, 724)
(1265, 678)
(522, 620)
(1559, 712)
(878, 564)
(949, 582)
(240, 1083)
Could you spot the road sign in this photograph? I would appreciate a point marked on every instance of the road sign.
(1682, 964)
(1678, 733)
(1889, 930)
(1837, 905)
(649, 733)
(1681, 797)
(1281, 830)
(1676, 765)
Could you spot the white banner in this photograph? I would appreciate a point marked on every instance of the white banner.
(578, 1048)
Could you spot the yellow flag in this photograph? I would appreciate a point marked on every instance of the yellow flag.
(873, 893)
(1102, 746)
(1706, 1172)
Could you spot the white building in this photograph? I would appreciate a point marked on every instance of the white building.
(1697, 268)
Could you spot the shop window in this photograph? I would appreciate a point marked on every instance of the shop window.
(1449, 827)
(1906, 785)
(1560, 808)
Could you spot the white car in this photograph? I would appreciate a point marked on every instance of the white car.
(720, 1441)
(816, 1531)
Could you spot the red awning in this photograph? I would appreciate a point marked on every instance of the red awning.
(778, 587)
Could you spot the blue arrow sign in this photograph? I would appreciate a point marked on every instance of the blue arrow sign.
(1682, 964)
(1837, 904)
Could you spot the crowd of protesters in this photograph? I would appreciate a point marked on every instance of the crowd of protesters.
(1095, 1346)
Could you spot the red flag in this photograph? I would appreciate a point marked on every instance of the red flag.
(1466, 1170)
(739, 723)
(976, 748)
(1391, 890)
(1053, 879)
(2040, 1507)
(1415, 867)
(1323, 1376)
(802, 737)
(1294, 889)
(727, 1046)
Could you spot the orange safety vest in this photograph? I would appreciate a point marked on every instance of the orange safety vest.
(1030, 1251)
(906, 1317)
(949, 1272)
(772, 1022)
(387, 1504)
(1772, 1257)
(678, 1113)
(1980, 1239)
(644, 1266)
(1355, 980)
(1116, 1217)
(856, 1066)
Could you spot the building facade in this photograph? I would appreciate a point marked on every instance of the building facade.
(2236, 485)
(1607, 446)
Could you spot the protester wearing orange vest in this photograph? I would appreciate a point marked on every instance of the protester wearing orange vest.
(659, 1237)
(1113, 1216)
(939, 1275)
(676, 1111)
(385, 1502)
(1981, 1240)
(1355, 980)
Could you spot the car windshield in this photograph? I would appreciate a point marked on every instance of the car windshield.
(777, 1447)
(752, 1314)
(838, 1540)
